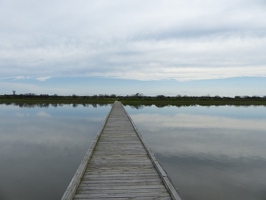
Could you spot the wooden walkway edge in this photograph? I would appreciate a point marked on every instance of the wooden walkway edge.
(120, 165)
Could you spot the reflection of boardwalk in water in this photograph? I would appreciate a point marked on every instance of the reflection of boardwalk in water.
(119, 165)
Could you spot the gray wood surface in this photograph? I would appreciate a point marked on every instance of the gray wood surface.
(119, 165)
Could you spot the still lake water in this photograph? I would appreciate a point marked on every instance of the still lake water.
(209, 152)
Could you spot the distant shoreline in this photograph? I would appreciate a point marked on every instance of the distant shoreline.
(138, 99)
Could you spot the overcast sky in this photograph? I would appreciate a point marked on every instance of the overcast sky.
(149, 42)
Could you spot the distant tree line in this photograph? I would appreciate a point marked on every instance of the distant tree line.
(137, 96)
(137, 100)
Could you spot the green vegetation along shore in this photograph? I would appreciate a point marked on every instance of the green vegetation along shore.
(134, 100)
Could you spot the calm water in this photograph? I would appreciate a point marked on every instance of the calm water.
(209, 152)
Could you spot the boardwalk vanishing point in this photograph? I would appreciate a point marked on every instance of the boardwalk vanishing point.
(119, 165)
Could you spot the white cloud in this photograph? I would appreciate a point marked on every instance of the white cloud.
(43, 78)
(187, 74)
(182, 40)
(21, 77)
(43, 114)
(21, 88)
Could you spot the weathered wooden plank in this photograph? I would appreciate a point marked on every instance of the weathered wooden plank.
(119, 172)
(117, 191)
(114, 175)
(126, 198)
(125, 194)
(124, 179)
(119, 165)
(125, 168)
(128, 186)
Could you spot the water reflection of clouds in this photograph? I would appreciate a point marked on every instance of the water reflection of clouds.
(43, 114)
(208, 156)
(37, 114)
(43, 129)
(206, 179)
(198, 121)
(21, 115)
(39, 149)
(203, 136)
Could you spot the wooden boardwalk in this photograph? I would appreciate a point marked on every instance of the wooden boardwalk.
(119, 165)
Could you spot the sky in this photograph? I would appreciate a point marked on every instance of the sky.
(153, 47)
